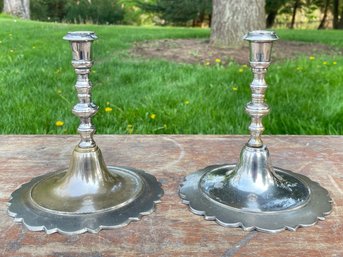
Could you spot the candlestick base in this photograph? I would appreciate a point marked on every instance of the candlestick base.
(255, 195)
(87, 197)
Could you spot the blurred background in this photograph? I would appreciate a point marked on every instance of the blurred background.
(171, 67)
(311, 14)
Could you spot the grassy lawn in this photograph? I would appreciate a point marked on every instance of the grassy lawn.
(155, 96)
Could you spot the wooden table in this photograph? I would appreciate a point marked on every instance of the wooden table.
(172, 230)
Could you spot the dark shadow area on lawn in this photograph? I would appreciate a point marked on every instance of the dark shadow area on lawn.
(196, 51)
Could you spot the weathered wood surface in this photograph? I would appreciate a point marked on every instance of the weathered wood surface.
(172, 230)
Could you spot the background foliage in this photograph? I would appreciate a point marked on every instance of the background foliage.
(280, 13)
(78, 11)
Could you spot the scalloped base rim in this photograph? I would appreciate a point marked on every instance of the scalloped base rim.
(319, 206)
(36, 219)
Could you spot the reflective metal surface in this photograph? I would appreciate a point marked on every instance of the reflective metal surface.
(253, 194)
(253, 186)
(38, 218)
(209, 193)
(88, 186)
(88, 196)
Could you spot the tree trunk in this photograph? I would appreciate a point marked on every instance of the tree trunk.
(335, 13)
(232, 19)
(323, 21)
(295, 8)
(271, 19)
(20, 8)
(340, 22)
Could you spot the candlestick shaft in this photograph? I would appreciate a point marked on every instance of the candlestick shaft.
(257, 108)
(260, 53)
(81, 43)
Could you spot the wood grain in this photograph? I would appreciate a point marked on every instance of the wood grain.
(172, 230)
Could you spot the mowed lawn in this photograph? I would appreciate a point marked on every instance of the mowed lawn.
(139, 96)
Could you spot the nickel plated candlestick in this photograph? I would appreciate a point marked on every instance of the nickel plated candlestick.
(89, 196)
(253, 194)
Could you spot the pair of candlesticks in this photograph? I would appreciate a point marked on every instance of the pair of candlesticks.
(90, 196)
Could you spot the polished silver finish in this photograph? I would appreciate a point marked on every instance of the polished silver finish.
(253, 194)
(79, 220)
(81, 43)
(260, 54)
(208, 192)
(89, 196)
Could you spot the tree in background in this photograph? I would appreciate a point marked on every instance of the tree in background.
(95, 11)
(78, 11)
(133, 15)
(48, 10)
(179, 12)
(337, 12)
(175, 12)
(229, 19)
(292, 7)
(296, 5)
(232, 19)
(272, 9)
(324, 5)
(19, 8)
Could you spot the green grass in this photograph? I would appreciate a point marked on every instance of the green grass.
(37, 85)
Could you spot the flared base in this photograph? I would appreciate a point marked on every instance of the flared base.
(43, 204)
(219, 193)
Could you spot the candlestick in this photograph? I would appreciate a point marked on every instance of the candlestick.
(89, 196)
(253, 194)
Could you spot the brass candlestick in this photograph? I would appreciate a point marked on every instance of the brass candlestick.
(89, 196)
(253, 194)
